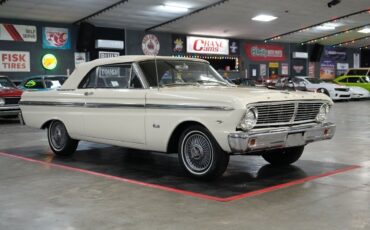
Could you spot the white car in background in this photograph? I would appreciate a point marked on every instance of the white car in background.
(334, 91)
(358, 92)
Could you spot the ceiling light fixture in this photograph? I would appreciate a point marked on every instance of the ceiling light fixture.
(264, 18)
(364, 31)
(174, 8)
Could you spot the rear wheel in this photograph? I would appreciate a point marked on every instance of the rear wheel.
(200, 155)
(283, 156)
(59, 140)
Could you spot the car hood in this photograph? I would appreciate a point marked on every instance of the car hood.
(227, 95)
(10, 92)
(331, 85)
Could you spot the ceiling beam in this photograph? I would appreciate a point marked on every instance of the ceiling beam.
(317, 24)
(365, 47)
(2, 2)
(189, 14)
(334, 34)
(351, 41)
(100, 11)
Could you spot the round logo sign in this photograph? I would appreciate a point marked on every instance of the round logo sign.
(49, 61)
(150, 45)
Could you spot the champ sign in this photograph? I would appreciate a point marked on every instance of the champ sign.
(201, 45)
(14, 61)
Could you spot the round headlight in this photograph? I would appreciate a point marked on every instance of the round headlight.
(250, 119)
(2, 101)
(323, 113)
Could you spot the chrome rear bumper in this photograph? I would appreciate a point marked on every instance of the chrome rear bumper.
(282, 137)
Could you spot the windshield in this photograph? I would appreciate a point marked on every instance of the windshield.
(315, 80)
(54, 82)
(6, 83)
(356, 72)
(181, 72)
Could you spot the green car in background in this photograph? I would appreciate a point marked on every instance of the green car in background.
(356, 77)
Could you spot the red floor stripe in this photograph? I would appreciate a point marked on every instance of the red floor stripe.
(184, 192)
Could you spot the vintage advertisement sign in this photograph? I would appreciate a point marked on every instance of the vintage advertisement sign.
(284, 69)
(108, 54)
(234, 47)
(178, 43)
(21, 33)
(80, 57)
(55, 38)
(150, 45)
(263, 70)
(14, 61)
(202, 45)
(262, 52)
(327, 70)
(335, 54)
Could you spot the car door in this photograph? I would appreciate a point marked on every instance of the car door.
(115, 104)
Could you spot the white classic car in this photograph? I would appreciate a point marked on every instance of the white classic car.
(177, 105)
(334, 91)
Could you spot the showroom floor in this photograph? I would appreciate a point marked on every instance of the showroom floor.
(39, 191)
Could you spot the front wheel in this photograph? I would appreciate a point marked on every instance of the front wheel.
(200, 155)
(285, 156)
(59, 140)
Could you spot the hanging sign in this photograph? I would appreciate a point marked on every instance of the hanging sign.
(55, 38)
(14, 61)
(22, 33)
(49, 61)
(203, 45)
(274, 65)
(261, 52)
(150, 45)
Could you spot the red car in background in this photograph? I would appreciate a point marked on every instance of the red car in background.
(9, 98)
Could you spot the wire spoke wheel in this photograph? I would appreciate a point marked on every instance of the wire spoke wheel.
(197, 152)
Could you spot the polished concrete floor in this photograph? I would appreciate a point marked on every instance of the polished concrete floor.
(40, 196)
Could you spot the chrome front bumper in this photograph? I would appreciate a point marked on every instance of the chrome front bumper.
(9, 110)
(282, 137)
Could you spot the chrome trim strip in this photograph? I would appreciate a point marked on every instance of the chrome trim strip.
(112, 105)
(190, 107)
(116, 105)
(49, 103)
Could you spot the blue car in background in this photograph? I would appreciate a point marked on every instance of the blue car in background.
(43, 82)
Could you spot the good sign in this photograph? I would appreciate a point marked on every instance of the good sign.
(203, 45)
(14, 61)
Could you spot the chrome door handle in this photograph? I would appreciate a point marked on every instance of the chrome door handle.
(88, 93)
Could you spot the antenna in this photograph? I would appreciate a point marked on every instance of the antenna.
(156, 70)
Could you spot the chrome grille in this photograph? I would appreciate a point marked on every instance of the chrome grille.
(279, 114)
(307, 111)
(275, 113)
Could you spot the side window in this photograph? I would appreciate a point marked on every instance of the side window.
(353, 80)
(34, 84)
(344, 80)
(135, 82)
(114, 76)
(89, 81)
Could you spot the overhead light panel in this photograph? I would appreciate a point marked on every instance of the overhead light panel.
(174, 8)
(264, 18)
(365, 31)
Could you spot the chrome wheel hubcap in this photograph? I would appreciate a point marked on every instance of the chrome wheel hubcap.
(58, 135)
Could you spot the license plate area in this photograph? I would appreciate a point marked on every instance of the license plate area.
(295, 139)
